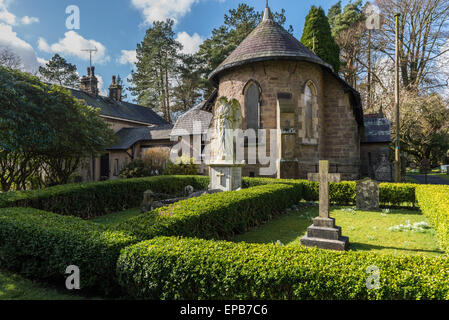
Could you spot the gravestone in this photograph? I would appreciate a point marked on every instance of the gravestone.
(323, 233)
(147, 203)
(384, 170)
(367, 195)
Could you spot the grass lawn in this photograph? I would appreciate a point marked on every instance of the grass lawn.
(117, 217)
(366, 231)
(15, 287)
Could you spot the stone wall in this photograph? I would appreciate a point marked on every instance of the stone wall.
(336, 133)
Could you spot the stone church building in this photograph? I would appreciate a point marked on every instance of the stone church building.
(283, 85)
(280, 84)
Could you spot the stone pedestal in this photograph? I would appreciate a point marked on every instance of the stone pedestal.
(324, 234)
(226, 177)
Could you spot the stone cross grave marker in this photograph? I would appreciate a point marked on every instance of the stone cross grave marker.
(323, 233)
(324, 177)
(367, 195)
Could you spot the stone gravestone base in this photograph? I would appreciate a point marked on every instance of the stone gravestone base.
(324, 234)
(226, 177)
(367, 195)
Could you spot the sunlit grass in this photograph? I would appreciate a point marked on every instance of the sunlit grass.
(15, 287)
(115, 218)
(366, 231)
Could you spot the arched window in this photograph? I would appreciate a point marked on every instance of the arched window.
(309, 102)
(252, 98)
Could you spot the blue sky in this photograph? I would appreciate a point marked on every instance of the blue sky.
(36, 30)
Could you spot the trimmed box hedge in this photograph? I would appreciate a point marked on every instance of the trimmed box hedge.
(434, 203)
(215, 216)
(41, 245)
(89, 200)
(175, 268)
(344, 193)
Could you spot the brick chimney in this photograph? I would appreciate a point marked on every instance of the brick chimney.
(115, 90)
(89, 83)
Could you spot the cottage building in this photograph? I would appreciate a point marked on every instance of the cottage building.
(137, 128)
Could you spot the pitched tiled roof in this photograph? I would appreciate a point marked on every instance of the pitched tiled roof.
(377, 129)
(269, 41)
(186, 122)
(120, 109)
(130, 136)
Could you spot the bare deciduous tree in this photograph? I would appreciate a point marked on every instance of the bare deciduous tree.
(423, 32)
(9, 59)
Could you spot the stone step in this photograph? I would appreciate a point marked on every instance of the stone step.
(324, 233)
(324, 222)
(342, 244)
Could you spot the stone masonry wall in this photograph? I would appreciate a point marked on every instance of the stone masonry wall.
(336, 135)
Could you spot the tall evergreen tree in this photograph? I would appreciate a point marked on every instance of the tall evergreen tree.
(317, 37)
(333, 12)
(156, 64)
(59, 71)
(187, 91)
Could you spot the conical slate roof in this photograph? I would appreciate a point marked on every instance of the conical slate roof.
(269, 41)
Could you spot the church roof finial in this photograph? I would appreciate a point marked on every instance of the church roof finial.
(267, 14)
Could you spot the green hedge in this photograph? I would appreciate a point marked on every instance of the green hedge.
(215, 216)
(434, 203)
(174, 268)
(344, 193)
(41, 245)
(88, 200)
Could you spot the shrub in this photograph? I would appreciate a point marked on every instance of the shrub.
(174, 268)
(135, 169)
(215, 216)
(397, 194)
(182, 166)
(156, 159)
(344, 193)
(97, 199)
(42, 245)
(434, 203)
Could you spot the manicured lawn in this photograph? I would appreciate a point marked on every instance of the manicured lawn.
(117, 217)
(366, 231)
(441, 175)
(15, 287)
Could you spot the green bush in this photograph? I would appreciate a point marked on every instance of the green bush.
(344, 193)
(215, 216)
(41, 245)
(135, 169)
(397, 194)
(90, 200)
(434, 203)
(190, 269)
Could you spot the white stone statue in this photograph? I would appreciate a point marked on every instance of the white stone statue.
(228, 118)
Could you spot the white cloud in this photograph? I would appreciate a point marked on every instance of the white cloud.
(29, 20)
(5, 15)
(73, 44)
(128, 56)
(190, 44)
(158, 10)
(10, 40)
(10, 18)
